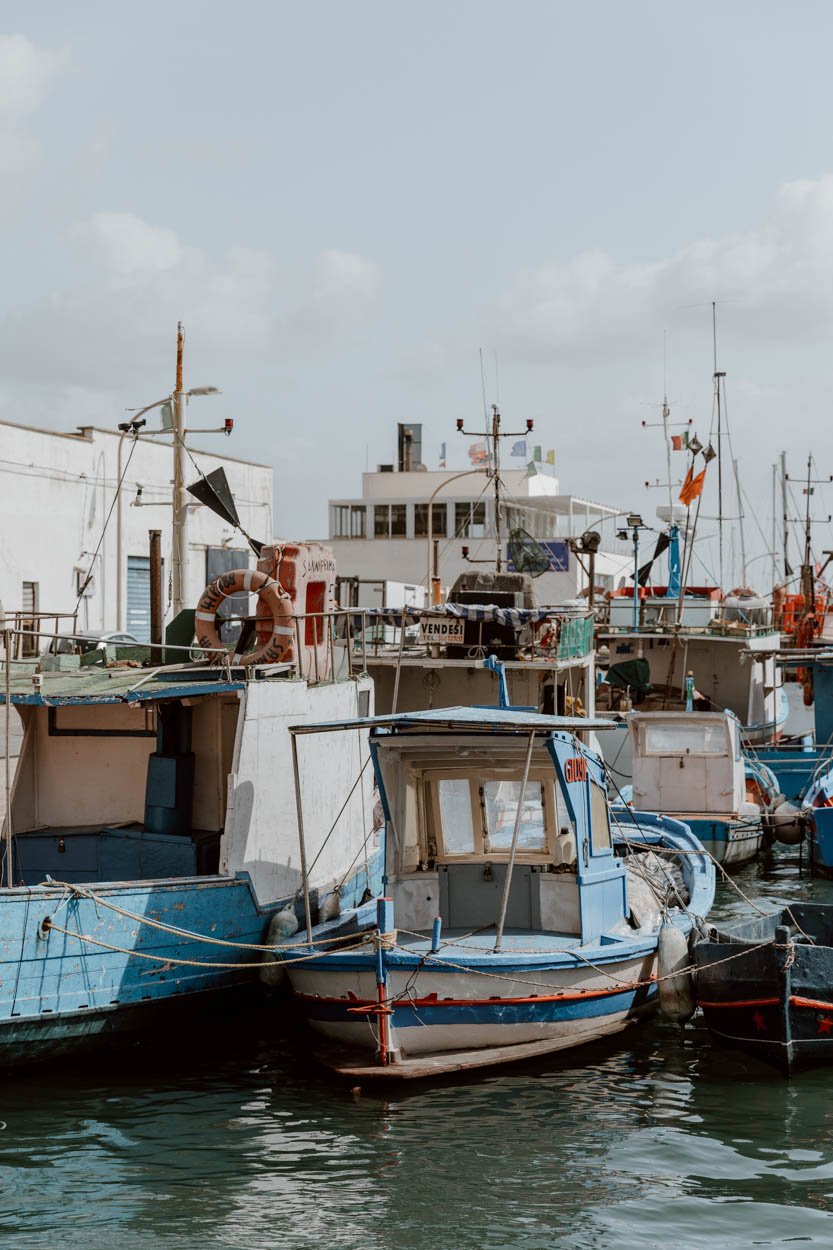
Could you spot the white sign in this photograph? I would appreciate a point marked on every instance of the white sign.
(443, 631)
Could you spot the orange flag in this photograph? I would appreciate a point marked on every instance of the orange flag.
(692, 486)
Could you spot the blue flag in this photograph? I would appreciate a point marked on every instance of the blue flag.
(519, 448)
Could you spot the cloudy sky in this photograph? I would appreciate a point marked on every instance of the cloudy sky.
(345, 203)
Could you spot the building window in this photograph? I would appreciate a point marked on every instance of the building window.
(438, 523)
(470, 520)
(390, 520)
(398, 520)
(349, 521)
(381, 520)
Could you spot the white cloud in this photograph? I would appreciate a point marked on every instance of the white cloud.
(25, 73)
(778, 276)
(112, 328)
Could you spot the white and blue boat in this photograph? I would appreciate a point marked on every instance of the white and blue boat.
(692, 765)
(153, 836)
(519, 917)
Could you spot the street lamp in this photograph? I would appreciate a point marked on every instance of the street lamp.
(433, 578)
(635, 524)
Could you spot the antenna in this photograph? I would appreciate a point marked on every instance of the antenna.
(494, 436)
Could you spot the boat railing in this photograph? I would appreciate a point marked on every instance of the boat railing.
(400, 634)
(26, 628)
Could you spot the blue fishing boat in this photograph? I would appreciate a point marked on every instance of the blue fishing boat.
(766, 985)
(519, 918)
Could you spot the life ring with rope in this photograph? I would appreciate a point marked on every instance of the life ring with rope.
(277, 646)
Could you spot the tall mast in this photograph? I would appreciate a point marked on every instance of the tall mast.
(774, 549)
(740, 524)
(496, 473)
(180, 512)
(666, 413)
(785, 515)
(807, 579)
(717, 378)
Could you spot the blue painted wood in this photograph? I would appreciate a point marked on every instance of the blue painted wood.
(59, 991)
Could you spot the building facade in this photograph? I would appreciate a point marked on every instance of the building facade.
(389, 532)
(71, 543)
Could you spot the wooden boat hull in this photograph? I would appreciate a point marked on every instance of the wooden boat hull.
(730, 842)
(765, 988)
(66, 992)
(438, 1013)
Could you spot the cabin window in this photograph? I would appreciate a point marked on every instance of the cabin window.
(685, 739)
(455, 813)
(599, 819)
(500, 808)
(473, 816)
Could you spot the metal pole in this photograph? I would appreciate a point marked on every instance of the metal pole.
(635, 579)
(8, 734)
(496, 471)
(398, 663)
(155, 544)
(504, 902)
(179, 559)
(787, 569)
(301, 844)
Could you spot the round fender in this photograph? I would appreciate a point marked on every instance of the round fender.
(276, 646)
(676, 987)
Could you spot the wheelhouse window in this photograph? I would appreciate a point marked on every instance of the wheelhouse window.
(500, 807)
(473, 815)
(455, 814)
(599, 820)
(684, 739)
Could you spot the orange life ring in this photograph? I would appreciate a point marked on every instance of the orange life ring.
(278, 646)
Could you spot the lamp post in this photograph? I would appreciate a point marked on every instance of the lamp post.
(173, 423)
(433, 575)
(635, 524)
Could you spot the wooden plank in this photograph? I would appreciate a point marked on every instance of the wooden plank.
(345, 1063)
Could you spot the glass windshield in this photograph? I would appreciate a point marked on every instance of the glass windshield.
(455, 816)
(688, 738)
(500, 802)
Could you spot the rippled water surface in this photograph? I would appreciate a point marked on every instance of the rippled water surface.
(215, 1140)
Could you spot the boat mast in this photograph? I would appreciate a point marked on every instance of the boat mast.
(807, 579)
(740, 525)
(785, 516)
(717, 378)
(496, 473)
(180, 511)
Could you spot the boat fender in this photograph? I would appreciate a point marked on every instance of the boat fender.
(282, 926)
(786, 822)
(331, 907)
(676, 987)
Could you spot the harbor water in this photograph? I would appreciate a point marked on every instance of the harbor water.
(231, 1138)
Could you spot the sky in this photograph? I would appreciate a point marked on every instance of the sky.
(349, 205)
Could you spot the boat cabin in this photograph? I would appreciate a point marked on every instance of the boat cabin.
(451, 783)
(688, 763)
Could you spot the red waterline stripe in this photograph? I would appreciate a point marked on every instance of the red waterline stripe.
(433, 1001)
(744, 1002)
(815, 1003)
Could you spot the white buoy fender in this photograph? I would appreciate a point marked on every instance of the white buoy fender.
(282, 926)
(675, 988)
(785, 819)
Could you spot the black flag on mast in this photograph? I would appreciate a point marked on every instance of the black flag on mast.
(214, 491)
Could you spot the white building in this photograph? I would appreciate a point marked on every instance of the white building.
(384, 534)
(60, 520)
